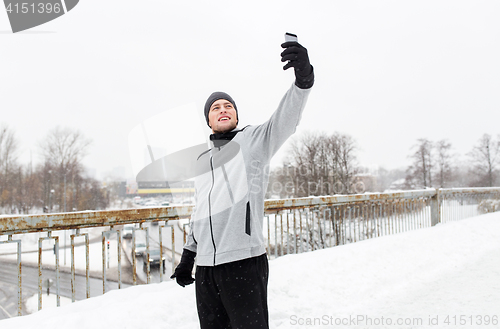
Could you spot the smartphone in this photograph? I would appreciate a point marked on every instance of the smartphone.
(289, 37)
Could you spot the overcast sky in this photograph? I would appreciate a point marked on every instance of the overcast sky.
(387, 72)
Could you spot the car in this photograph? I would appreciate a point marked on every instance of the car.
(150, 204)
(128, 231)
(165, 204)
(140, 249)
(154, 260)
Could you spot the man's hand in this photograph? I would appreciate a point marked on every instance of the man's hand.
(297, 57)
(183, 271)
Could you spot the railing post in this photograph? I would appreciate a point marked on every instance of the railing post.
(87, 264)
(19, 271)
(56, 251)
(435, 208)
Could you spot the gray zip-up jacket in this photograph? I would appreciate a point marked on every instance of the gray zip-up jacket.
(231, 182)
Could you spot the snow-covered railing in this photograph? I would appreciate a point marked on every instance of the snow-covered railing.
(461, 203)
(291, 226)
(305, 224)
(110, 225)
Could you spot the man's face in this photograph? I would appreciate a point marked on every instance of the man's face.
(222, 116)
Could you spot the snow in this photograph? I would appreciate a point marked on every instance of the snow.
(48, 301)
(429, 278)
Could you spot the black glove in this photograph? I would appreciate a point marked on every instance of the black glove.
(297, 57)
(183, 271)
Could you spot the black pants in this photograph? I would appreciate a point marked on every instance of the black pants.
(233, 295)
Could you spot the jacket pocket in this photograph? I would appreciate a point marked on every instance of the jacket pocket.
(247, 221)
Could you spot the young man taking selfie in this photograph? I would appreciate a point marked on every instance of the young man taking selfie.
(226, 235)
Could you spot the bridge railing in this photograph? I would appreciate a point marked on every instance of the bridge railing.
(290, 226)
(305, 224)
(111, 223)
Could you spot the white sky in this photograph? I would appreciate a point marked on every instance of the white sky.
(387, 72)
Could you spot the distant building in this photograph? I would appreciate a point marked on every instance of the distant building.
(182, 189)
(398, 185)
(364, 183)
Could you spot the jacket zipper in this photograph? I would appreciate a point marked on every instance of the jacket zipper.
(210, 206)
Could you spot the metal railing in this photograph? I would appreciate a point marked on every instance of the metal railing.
(114, 220)
(305, 224)
(291, 226)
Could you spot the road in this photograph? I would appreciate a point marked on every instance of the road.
(8, 286)
(154, 239)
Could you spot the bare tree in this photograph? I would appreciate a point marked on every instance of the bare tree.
(484, 158)
(342, 157)
(318, 164)
(305, 154)
(8, 165)
(32, 189)
(419, 173)
(64, 147)
(444, 162)
(63, 150)
(56, 182)
(92, 195)
(26, 190)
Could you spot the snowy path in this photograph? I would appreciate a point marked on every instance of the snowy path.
(429, 278)
(451, 269)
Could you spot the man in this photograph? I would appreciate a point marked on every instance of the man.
(226, 235)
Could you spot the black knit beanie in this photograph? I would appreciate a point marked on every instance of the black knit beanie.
(215, 97)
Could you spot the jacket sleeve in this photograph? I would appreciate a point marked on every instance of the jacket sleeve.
(191, 243)
(270, 136)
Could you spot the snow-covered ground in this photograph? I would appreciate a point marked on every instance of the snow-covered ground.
(447, 276)
(49, 301)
